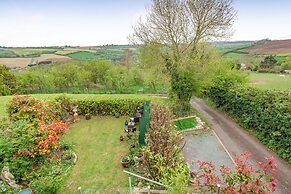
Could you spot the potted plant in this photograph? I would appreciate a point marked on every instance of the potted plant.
(139, 157)
(125, 161)
(88, 116)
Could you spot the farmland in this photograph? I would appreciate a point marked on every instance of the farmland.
(254, 52)
(270, 81)
(22, 62)
(21, 57)
(271, 47)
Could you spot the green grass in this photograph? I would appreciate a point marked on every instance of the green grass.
(4, 53)
(270, 81)
(32, 51)
(4, 100)
(83, 55)
(185, 124)
(99, 151)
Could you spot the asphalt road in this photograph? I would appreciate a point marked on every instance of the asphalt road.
(237, 140)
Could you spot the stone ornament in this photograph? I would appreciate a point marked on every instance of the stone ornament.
(8, 177)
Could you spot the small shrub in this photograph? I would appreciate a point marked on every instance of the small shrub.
(245, 178)
(162, 158)
(63, 106)
(30, 109)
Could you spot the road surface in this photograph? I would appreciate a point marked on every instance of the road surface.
(237, 140)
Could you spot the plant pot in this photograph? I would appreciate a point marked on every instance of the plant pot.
(88, 116)
(125, 161)
(24, 183)
(121, 138)
(139, 157)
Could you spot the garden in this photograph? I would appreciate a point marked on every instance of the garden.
(47, 148)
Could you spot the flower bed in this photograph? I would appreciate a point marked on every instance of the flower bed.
(31, 147)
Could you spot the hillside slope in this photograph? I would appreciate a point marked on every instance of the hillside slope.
(271, 47)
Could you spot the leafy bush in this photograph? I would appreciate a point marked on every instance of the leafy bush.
(183, 87)
(286, 65)
(30, 144)
(30, 109)
(8, 82)
(269, 62)
(49, 177)
(266, 113)
(162, 158)
(63, 106)
(122, 106)
(15, 136)
(245, 178)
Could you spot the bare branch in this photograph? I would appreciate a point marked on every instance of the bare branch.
(182, 24)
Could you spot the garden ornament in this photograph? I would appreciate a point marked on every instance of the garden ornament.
(8, 177)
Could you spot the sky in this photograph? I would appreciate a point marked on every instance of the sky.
(100, 22)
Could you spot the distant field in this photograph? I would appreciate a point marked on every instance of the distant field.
(21, 57)
(23, 62)
(250, 52)
(52, 57)
(67, 51)
(271, 47)
(82, 55)
(270, 81)
(22, 52)
(15, 62)
(7, 53)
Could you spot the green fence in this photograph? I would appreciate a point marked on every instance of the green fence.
(144, 122)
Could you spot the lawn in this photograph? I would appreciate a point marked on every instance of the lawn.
(99, 151)
(187, 123)
(270, 81)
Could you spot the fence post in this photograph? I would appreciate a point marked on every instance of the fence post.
(79, 190)
(130, 188)
(218, 188)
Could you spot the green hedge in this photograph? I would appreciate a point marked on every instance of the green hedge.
(109, 107)
(113, 104)
(266, 113)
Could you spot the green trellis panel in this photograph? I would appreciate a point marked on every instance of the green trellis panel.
(144, 123)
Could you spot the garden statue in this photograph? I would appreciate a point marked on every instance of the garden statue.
(138, 114)
(75, 114)
(8, 177)
(131, 123)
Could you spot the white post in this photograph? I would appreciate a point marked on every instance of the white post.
(79, 190)
(130, 189)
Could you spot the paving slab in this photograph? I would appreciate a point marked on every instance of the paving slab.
(205, 147)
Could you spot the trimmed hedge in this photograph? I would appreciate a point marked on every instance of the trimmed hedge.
(266, 113)
(110, 105)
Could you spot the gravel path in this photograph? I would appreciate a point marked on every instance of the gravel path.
(237, 140)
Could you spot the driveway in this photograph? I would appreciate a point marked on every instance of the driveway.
(237, 140)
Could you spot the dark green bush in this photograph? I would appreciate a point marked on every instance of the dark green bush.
(109, 107)
(266, 113)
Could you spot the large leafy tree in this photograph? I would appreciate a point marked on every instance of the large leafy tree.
(180, 26)
(8, 81)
